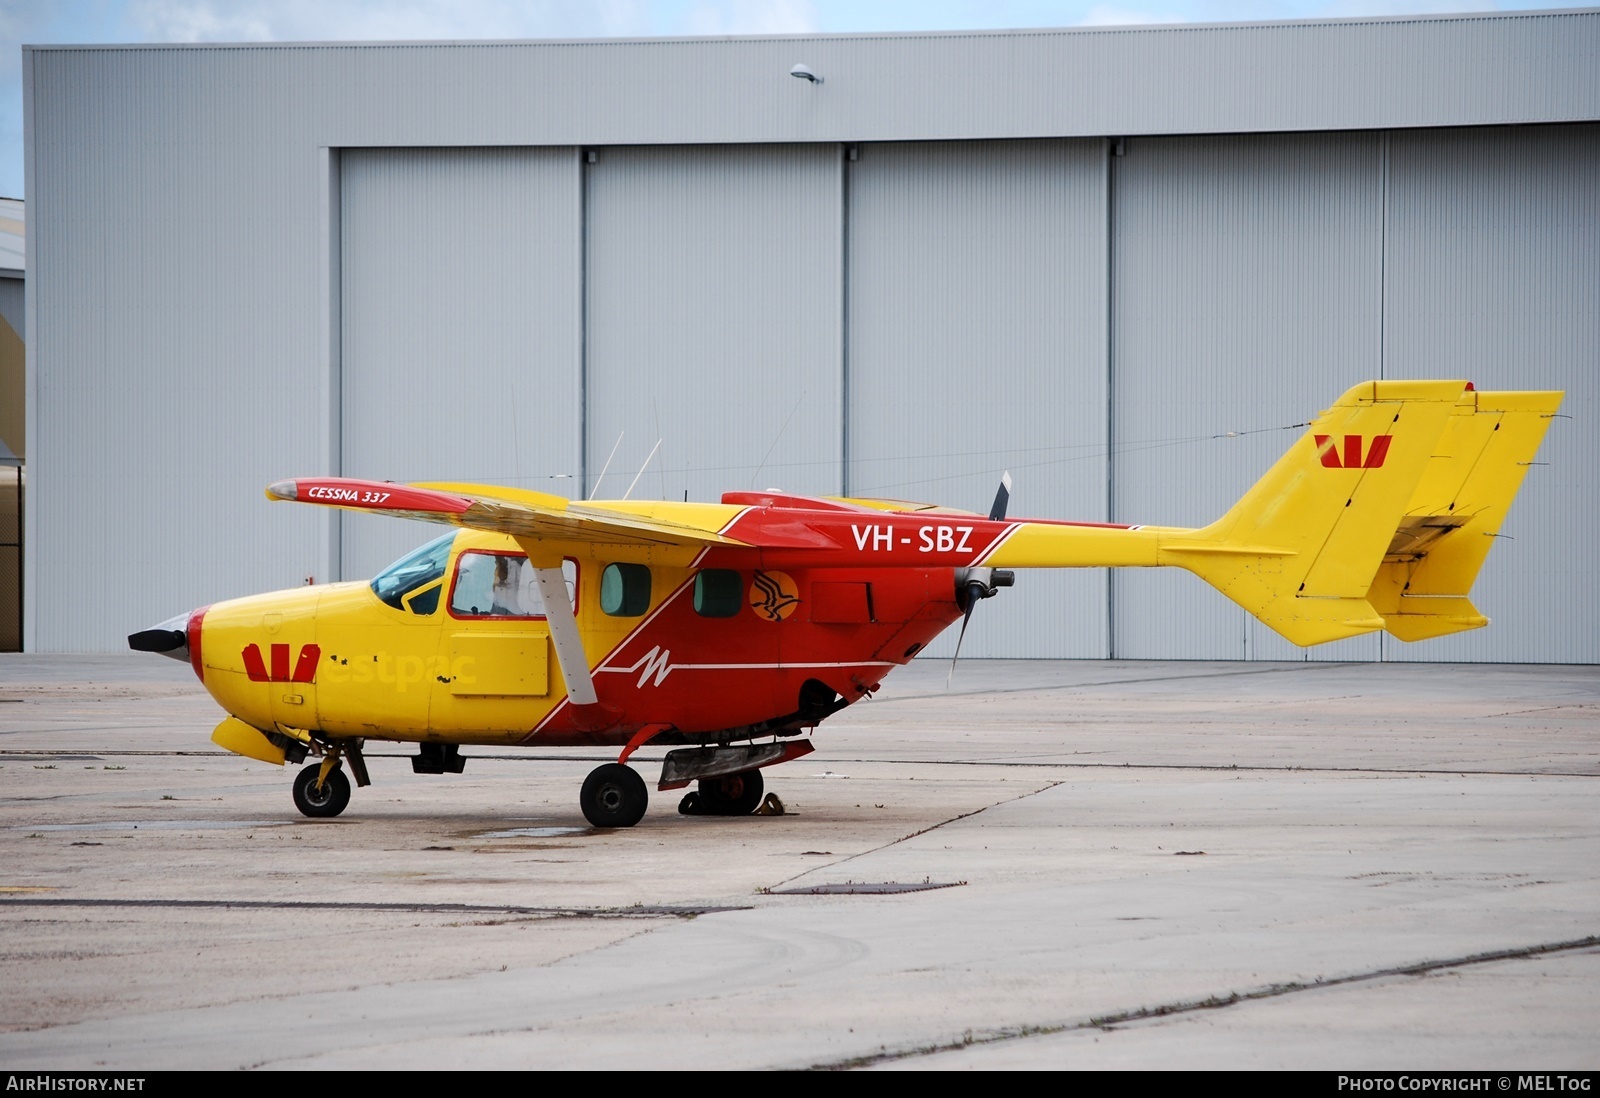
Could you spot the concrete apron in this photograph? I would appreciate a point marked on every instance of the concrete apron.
(1192, 865)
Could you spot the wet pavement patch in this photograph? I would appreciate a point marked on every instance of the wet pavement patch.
(533, 832)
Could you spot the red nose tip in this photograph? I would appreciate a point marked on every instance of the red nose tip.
(177, 638)
(193, 630)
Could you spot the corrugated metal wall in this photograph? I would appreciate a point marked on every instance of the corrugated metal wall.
(1481, 69)
(1246, 289)
(780, 315)
(977, 306)
(713, 313)
(172, 345)
(1286, 267)
(1493, 273)
(459, 275)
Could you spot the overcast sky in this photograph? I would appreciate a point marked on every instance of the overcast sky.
(59, 21)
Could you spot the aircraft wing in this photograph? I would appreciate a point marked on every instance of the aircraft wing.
(514, 511)
(903, 506)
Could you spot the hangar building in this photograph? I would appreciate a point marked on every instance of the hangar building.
(1123, 263)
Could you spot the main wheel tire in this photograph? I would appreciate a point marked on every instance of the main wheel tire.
(732, 794)
(613, 795)
(322, 803)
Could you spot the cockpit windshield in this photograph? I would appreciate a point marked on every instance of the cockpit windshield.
(416, 569)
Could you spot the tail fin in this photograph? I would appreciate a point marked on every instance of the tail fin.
(1488, 444)
(1379, 517)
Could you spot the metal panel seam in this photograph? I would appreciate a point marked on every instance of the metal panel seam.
(581, 319)
(30, 369)
(329, 346)
(843, 297)
(1109, 178)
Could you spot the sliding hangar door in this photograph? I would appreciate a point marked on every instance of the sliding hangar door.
(911, 319)
(755, 316)
(1253, 278)
(459, 323)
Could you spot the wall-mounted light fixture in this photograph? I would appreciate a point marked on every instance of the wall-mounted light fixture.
(804, 72)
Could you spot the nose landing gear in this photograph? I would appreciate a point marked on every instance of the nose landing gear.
(321, 790)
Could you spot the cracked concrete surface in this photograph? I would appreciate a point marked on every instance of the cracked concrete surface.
(1154, 864)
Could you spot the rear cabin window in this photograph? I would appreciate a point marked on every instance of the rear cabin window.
(413, 582)
(625, 590)
(502, 585)
(718, 593)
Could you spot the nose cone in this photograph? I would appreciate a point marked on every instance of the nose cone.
(177, 637)
(170, 638)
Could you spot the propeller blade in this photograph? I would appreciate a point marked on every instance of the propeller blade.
(978, 589)
(948, 679)
(1001, 498)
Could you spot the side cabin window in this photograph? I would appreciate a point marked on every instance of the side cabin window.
(625, 590)
(413, 582)
(492, 584)
(718, 593)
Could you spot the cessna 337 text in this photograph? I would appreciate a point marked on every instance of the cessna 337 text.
(729, 630)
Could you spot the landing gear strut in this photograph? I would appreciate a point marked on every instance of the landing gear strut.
(613, 795)
(321, 790)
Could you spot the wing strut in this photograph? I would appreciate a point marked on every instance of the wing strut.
(564, 633)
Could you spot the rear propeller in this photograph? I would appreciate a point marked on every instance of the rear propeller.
(973, 584)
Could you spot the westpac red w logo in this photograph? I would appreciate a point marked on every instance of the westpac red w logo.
(1330, 453)
(305, 668)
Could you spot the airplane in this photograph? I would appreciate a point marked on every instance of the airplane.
(729, 631)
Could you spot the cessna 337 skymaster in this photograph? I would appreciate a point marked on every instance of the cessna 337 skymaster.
(732, 628)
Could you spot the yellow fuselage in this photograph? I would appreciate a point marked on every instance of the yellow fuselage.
(399, 673)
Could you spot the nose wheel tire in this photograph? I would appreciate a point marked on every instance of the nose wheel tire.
(732, 794)
(322, 803)
(613, 795)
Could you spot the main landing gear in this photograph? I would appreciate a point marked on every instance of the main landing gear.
(729, 780)
(613, 795)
